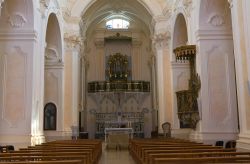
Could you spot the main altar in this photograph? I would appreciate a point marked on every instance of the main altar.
(118, 90)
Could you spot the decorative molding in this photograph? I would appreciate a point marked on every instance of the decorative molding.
(136, 43)
(72, 41)
(167, 12)
(17, 20)
(188, 6)
(248, 85)
(51, 54)
(184, 4)
(178, 65)
(213, 35)
(13, 113)
(18, 35)
(216, 20)
(99, 43)
(45, 3)
(161, 40)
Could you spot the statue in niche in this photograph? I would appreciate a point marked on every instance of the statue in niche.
(117, 67)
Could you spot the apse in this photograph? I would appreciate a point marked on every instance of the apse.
(117, 48)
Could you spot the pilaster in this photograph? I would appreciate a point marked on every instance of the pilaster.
(100, 58)
(136, 58)
(161, 46)
(72, 80)
(217, 100)
(241, 31)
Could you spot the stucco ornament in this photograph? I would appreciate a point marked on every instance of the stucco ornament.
(17, 20)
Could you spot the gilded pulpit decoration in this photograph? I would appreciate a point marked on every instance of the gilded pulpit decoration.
(188, 112)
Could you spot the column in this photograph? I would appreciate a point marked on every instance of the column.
(153, 87)
(72, 81)
(217, 99)
(100, 60)
(241, 31)
(84, 85)
(18, 97)
(136, 60)
(160, 43)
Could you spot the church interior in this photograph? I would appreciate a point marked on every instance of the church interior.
(172, 71)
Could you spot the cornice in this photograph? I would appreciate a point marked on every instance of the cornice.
(19, 35)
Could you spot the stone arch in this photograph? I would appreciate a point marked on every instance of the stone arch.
(93, 16)
(180, 31)
(53, 39)
(180, 71)
(80, 7)
(53, 67)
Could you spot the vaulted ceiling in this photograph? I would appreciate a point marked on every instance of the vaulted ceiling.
(93, 12)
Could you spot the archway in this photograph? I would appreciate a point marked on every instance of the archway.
(180, 35)
(180, 71)
(101, 43)
(53, 74)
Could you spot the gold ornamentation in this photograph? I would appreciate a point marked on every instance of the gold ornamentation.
(188, 112)
(118, 67)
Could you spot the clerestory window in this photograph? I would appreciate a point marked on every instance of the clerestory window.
(117, 24)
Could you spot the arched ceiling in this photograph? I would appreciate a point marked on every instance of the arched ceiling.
(104, 9)
(93, 12)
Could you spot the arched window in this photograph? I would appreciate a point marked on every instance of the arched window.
(117, 24)
(50, 116)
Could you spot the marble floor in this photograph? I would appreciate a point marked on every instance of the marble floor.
(112, 156)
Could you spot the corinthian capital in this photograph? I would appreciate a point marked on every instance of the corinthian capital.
(161, 40)
(72, 41)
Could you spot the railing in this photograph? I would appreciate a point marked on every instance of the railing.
(106, 86)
